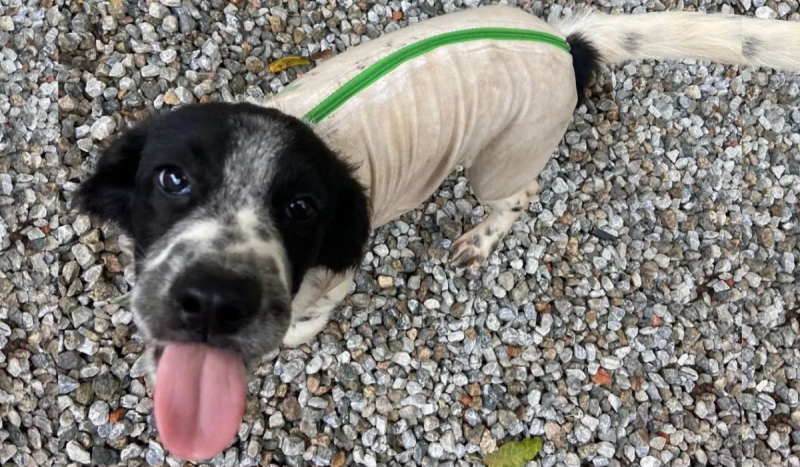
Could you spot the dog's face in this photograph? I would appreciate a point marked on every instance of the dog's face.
(229, 205)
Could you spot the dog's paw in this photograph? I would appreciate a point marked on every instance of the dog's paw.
(472, 249)
(305, 329)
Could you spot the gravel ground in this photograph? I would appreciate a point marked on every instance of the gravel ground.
(645, 312)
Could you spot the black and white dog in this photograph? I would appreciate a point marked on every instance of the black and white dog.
(248, 220)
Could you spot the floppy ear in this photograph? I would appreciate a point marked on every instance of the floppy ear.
(343, 243)
(108, 193)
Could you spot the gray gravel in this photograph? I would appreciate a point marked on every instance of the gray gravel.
(645, 312)
(30, 174)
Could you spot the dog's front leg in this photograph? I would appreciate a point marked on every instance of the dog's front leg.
(310, 321)
(475, 246)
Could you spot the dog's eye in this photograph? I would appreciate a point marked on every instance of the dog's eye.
(174, 180)
(300, 209)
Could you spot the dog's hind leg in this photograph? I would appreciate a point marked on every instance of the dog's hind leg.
(475, 246)
(313, 319)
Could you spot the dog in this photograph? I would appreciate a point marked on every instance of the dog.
(248, 220)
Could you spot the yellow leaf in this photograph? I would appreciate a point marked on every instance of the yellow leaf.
(286, 62)
(515, 453)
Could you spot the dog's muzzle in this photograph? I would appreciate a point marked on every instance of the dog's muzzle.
(208, 301)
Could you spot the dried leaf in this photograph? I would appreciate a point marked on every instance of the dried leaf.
(636, 382)
(116, 415)
(515, 453)
(286, 62)
(601, 377)
(321, 55)
(123, 301)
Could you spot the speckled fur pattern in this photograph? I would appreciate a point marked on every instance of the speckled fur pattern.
(233, 231)
(245, 165)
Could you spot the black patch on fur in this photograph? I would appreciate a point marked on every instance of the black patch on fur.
(124, 190)
(516, 209)
(586, 61)
(108, 193)
(632, 42)
(157, 353)
(308, 167)
(751, 47)
(476, 241)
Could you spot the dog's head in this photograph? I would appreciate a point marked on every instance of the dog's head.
(229, 205)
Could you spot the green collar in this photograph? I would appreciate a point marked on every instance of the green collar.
(385, 65)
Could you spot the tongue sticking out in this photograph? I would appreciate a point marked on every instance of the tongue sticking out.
(199, 399)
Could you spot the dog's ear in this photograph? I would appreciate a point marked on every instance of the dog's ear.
(343, 243)
(108, 193)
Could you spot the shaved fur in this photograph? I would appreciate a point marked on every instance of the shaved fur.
(689, 35)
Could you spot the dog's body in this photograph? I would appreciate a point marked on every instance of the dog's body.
(248, 222)
(497, 108)
(473, 104)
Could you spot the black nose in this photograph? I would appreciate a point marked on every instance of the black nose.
(211, 301)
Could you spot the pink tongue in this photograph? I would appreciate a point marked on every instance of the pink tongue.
(199, 399)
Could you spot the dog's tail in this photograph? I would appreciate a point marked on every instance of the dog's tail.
(597, 38)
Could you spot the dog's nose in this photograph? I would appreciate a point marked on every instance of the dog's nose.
(211, 301)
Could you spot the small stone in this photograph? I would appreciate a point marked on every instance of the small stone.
(693, 91)
(488, 444)
(611, 363)
(76, 452)
(765, 12)
(66, 384)
(98, 413)
(131, 451)
(155, 455)
(559, 186)
(606, 449)
(6, 23)
(658, 442)
(103, 128)
(290, 409)
(168, 56)
(104, 456)
(670, 219)
(506, 280)
(293, 446)
(766, 237)
(402, 359)
(582, 434)
(291, 370)
(105, 386)
(385, 282)
(254, 64)
(117, 70)
(276, 420)
(94, 87)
